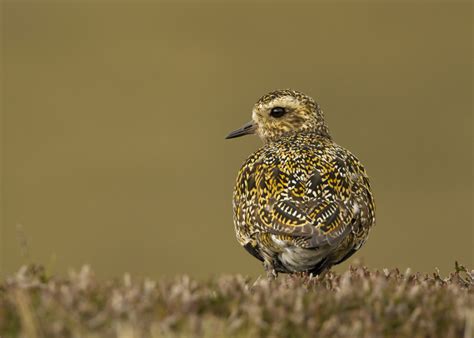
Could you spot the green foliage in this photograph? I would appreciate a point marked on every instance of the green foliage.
(357, 303)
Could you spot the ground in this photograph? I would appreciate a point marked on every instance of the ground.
(356, 303)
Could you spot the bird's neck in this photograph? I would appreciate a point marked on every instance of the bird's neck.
(320, 132)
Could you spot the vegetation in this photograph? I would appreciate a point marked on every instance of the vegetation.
(357, 303)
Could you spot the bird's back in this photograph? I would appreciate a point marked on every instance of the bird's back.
(302, 202)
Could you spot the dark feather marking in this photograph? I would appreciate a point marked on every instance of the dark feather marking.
(331, 219)
(314, 181)
(320, 267)
(251, 182)
(253, 251)
(346, 256)
(279, 209)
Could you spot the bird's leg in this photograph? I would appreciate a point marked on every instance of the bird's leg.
(271, 272)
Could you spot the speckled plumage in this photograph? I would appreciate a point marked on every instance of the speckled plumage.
(301, 202)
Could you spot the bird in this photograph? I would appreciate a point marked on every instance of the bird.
(301, 203)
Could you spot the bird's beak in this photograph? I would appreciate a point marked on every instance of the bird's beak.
(248, 128)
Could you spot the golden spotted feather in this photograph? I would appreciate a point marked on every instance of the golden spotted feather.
(301, 202)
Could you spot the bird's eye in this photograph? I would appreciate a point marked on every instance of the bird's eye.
(277, 112)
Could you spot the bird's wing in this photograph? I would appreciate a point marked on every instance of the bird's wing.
(317, 207)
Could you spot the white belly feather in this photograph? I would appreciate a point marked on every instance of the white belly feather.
(297, 259)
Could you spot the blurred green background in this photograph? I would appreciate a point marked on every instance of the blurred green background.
(114, 117)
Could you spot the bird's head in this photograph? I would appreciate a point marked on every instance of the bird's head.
(283, 112)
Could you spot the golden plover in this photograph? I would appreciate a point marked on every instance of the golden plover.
(301, 202)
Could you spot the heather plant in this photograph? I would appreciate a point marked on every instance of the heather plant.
(356, 303)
